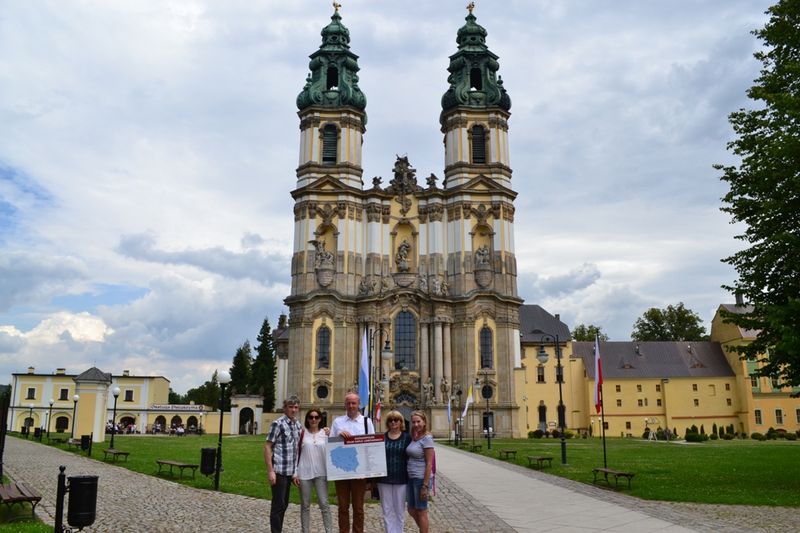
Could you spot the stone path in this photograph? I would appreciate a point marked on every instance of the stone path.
(474, 494)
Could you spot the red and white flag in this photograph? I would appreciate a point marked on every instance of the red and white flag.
(378, 413)
(598, 376)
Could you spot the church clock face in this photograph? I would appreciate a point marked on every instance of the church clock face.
(486, 392)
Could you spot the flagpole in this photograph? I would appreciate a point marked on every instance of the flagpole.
(603, 427)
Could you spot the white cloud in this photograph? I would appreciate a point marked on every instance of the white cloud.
(151, 147)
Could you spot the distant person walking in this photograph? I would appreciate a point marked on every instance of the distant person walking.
(351, 491)
(280, 454)
(392, 488)
(311, 470)
(420, 468)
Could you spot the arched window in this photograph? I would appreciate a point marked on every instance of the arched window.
(405, 341)
(330, 140)
(475, 80)
(62, 423)
(486, 347)
(478, 145)
(332, 78)
(323, 347)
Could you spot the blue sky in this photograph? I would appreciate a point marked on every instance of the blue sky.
(148, 148)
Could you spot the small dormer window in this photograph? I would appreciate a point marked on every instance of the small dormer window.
(332, 78)
(330, 140)
(475, 80)
(478, 145)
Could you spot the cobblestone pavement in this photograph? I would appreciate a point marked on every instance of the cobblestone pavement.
(133, 502)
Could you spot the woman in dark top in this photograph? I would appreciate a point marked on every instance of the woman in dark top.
(392, 488)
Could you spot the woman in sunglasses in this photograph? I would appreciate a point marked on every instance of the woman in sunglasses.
(311, 470)
(392, 488)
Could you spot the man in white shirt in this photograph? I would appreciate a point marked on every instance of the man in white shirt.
(351, 490)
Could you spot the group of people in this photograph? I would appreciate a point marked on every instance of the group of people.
(296, 454)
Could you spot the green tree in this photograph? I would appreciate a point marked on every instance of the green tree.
(582, 332)
(175, 398)
(764, 196)
(675, 323)
(241, 369)
(206, 394)
(263, 377)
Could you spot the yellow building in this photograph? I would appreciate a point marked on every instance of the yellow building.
(673, 385)
(83, 404)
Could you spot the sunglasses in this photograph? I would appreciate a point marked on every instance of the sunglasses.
(313, 417)
(394, 420)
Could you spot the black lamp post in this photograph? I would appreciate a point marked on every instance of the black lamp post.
(486, 392)
(224, 378)
(74, 409)
(542, 357)
(386, 355)
(115, 392)
(50, 417)
(457, 388)
(30, 424)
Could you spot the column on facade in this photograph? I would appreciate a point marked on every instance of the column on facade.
(424, 367)
(438, 363)
(448, 360)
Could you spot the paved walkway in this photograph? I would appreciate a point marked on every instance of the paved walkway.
(474, 494)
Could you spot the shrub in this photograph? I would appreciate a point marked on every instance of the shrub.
(714, 436)
(693, 429)
(555, 434)
(791, 436)
(660, 435)
(714, 428)
(675, 433)
(694, 437)
(646, 434)
(536, 434)
(702, 429)
(757, 436)
(568, 434)
(728, 436)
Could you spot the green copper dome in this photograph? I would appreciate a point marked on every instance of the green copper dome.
(333, 81)
(473, 72)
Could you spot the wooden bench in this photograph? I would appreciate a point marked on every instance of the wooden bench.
(176, 464)
(616, 473)
(115, 453)
(507, 454)
(74, 442)
(19, 493)
(475, 447)
(540, 460)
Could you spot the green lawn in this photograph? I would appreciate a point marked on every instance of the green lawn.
(728, 472)
(742, 472)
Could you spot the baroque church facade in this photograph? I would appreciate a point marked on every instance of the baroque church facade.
(424, 268)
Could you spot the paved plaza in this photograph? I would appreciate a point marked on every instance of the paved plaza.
(474, 494)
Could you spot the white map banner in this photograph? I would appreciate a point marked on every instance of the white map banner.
(357, 457)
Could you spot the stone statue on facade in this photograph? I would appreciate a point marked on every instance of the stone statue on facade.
(444, 387)
(322, 257)
(423, 283)
(401, 257)
(482, 257)
(427, 392)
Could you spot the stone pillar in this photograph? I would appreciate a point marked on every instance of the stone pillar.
(424, 368)
(438, 363)
(448, 360)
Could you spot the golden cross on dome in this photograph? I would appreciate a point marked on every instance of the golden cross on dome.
(336, 6)
(470, 7)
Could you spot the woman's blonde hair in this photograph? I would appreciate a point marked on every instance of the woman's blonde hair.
(424, 419)
(396, 415)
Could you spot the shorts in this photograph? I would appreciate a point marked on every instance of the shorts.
(412, 495)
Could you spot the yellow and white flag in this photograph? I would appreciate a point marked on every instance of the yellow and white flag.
(469, 401)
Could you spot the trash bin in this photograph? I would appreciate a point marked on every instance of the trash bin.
(208, 461)
(86, 442)
(37, 433)
(82, 501)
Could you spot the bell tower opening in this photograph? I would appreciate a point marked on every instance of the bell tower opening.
(332, 78)
(475, 80)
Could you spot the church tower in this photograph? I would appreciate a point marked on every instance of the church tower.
(423, 274)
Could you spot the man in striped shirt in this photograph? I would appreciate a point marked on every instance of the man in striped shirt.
(280, 454)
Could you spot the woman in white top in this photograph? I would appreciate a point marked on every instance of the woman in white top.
(311, 470)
